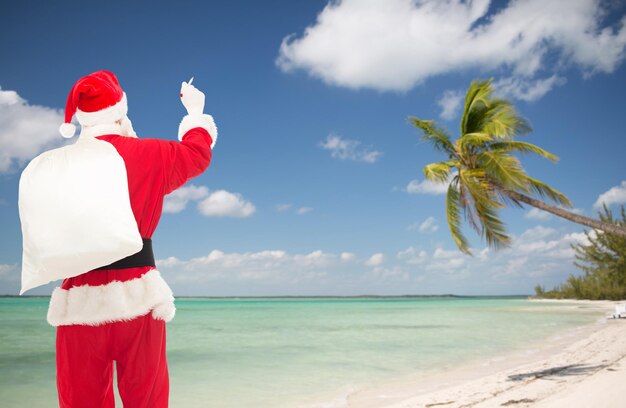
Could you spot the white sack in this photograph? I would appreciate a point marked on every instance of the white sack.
(75, 212)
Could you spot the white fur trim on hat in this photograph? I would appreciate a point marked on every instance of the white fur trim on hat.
(67, 130)
(127, 127)
(203, 121)
(115, 301)
(103, 116)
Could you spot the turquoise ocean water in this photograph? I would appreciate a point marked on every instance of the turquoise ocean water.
(292, 352)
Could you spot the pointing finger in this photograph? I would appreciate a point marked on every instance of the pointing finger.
(184, 86)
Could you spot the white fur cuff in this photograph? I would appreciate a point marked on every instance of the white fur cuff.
(193, 121)
(115, 301)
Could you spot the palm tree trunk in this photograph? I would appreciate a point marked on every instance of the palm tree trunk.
(577, 218)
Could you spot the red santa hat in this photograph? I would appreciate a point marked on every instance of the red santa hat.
(96, 99)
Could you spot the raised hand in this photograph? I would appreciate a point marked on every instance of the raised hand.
(192, 98)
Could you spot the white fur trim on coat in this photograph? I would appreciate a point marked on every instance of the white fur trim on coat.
(115, 301)
(103, 116)
(107, 129)
(193, 121)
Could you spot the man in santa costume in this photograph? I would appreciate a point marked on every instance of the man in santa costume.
(118, 311)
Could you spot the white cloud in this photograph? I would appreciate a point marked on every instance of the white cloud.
(269, 265)
(347, 256)
(441, 253)
(348, 149)
(304, 210)
(413, 256)
(222, 203)
(535, 233)
(540, 215)
(579, 211)
(26, 130)
(426, 187)
(538, 255)
(482, 255)
(176, 201)
(9, 272)
(527, 89)
(615, 195)
(8, 98)
(450, 102)
(375, 260)
(447, 265)
(282, 207)
(453, 263)
(537, 214)
(286, 207)
(540, 243)
(316, 259)
(218, 203)
(579, 237)
(168, 262)
(397, 44)
(429, 225)
(512, 267)
(394, 273)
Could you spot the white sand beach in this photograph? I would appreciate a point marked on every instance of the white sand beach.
(583, 368)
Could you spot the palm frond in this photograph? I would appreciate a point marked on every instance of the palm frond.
(485, 206)
(473, 140)
(546, 191)
(504, 169)
(477, 95)
(437, 172)
(454, 220)
(493, 229)
(484, 113)
(501, 120)
(507, 200)
(523, 147)
(480, 190)
(435, 135)
(467, 204)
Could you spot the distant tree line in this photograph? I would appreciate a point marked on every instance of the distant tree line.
(603, 261)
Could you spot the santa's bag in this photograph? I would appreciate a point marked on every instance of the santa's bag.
(75, 212)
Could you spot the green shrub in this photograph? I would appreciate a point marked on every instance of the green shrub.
(603, 261)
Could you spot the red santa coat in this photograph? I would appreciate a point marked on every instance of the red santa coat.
(154, 168)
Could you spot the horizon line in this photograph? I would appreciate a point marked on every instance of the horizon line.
(449, 295)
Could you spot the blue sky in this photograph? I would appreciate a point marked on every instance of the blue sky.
(316, 184)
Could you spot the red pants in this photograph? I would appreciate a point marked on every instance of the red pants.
(85, 356)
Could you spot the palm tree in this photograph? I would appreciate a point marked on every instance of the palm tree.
(482, 174)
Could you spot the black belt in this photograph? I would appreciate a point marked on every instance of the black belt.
(145, 257)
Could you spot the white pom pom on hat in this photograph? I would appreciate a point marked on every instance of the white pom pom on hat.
(67, 130)
(95, 99)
